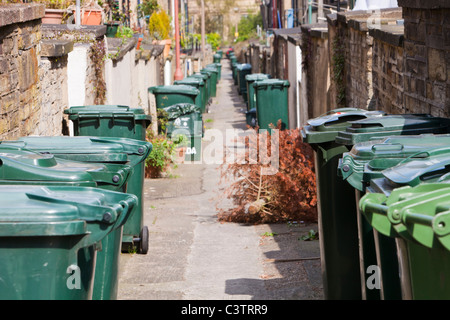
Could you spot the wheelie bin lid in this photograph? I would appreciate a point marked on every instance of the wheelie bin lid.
(23, 166)
(209, 70)
(256, 77)
(62, 211)
(204, 76)
(366, 160)
(326, 127)
(180, 109)
(420, 213)
(423, 167)
(74, 112)
(88, 149)
(408, 124)
(271, 83)
(184, 89)
(190, 81)
(244, 66)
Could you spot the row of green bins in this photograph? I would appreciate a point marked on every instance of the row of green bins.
(368, 168)
(272, 103)
(363, 131)
(213, 73)
(343, 246)
(410, 205)
(172, 94)
(120, 122)
(251, 96)
(51, 236)
(186, 120)
(198, 83)
(336, 218)
(206, 77)
(243, 69)
(25, 167)
(218, 66)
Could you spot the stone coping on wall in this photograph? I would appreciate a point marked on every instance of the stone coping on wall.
(316, 30)
(393, 35)
(118, 47)
(84, 33)
(55, 48)
(11, 13)
(154, 49)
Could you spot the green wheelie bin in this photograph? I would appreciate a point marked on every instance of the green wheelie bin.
(198, 83)
(338, 234)
(110, 151)
(250, 79)
(206, 77)
(172, 94)
(243, 69)
(27, 167)
(119, 122)
(213, 72)
(217, 57)
(218, 66)
(376, 249)
(50, 237)
(186, 119)
(417, 218)
(272, 103)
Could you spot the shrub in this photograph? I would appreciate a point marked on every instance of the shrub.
(159, 25)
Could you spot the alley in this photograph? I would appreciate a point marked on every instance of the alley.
(193, 256)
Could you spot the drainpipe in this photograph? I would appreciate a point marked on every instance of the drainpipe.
(178, 74)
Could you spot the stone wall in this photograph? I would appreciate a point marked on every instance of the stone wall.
(427, 56)
(20, 101)
(314, 47)
(388, 69)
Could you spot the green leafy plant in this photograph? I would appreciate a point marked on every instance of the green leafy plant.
(161, 157)
(214, 40)
(124, 32)
(312, 235)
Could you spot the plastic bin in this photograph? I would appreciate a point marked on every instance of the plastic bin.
(110, 151)
(198, 83)
(26, 167)
(417, 218)
(272, 102)
(206, 77)
(119, 122)
(172, 94)
(376, 249)
(218, 66)
(250, 117)
(243, 69)
(213, 72)
(217, 57)
(338, 234)
(186, 119)
(250, 79)
(50, 237)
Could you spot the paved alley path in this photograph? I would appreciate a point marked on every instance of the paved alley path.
(192, 256)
